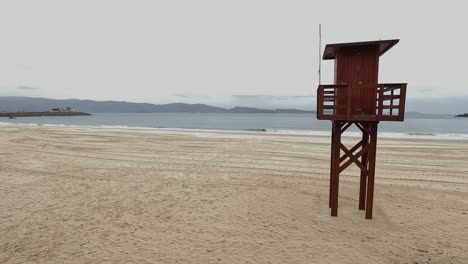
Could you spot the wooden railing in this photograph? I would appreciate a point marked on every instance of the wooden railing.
(383, 102)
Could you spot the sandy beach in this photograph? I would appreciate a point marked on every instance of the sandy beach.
(76, 195)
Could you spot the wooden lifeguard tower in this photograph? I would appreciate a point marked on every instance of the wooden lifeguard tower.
(357, 98)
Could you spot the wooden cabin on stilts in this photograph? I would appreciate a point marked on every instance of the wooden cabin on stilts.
(358, 99)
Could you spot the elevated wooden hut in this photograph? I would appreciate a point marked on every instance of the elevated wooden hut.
(357, 98)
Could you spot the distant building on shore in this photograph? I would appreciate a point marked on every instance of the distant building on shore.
(62, 109)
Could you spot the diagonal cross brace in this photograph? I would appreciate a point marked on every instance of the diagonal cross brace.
(358, 145)
(353, 158)
(364, 129)
(345, 126)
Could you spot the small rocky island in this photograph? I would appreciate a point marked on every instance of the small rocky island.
(59, 111)
(462, 115)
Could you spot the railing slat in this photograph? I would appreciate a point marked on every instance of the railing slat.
(391, 102)
(320, 102)
(380, 111)
(390, 107)
(390, 97)
(401, 111)
(390, 88)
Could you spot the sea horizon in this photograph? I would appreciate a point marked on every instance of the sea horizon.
(415, 126)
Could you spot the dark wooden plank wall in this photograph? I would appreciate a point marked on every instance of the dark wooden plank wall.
(359, 67)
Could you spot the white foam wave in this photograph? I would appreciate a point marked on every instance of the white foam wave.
(254, 131)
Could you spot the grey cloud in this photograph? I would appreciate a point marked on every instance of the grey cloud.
(427, 90)
(272, 97)
(23, 87)
(303, 102)
(192, 96)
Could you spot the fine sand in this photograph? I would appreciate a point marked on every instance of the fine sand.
(70, 195)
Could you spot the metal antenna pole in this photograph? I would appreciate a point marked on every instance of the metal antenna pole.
(320, 53)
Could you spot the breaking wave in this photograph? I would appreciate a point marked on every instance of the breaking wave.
(253, 130)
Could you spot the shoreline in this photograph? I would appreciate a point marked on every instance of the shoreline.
(46, 113)
(385, 135)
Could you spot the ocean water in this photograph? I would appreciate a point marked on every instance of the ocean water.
(416, 126)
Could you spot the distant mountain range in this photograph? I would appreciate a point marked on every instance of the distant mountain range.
(32, 104)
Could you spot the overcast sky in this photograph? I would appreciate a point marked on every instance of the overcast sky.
(225, 53)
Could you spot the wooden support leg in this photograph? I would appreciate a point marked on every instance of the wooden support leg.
(363, 182)
(371, 174)
(331, 167)
(336, 166)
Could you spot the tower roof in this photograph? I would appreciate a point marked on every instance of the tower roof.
(384, 45)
